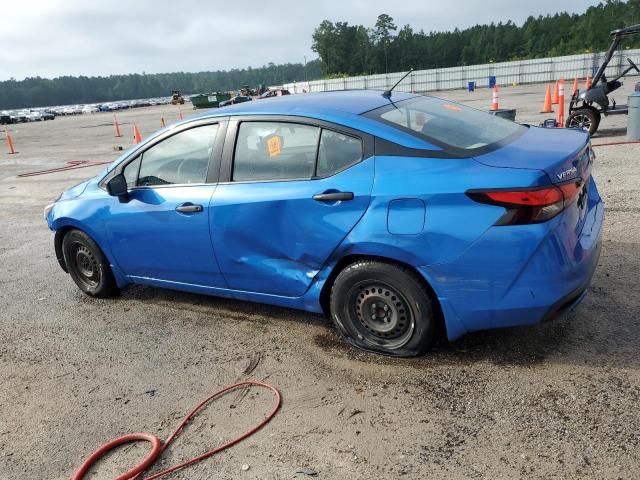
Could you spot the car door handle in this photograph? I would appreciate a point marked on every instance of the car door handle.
(333, 196)
(189, 208)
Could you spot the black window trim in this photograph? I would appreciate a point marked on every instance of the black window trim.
(233, 129)
(213, 169)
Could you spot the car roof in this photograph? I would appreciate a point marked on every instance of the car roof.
(353, 102)
(343, 107)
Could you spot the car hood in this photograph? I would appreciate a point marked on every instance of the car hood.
(75, 191)
(563, 154)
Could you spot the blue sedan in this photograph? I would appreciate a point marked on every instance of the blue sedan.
(390, 213)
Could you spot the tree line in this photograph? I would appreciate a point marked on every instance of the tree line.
(345, 49)
(41, 92)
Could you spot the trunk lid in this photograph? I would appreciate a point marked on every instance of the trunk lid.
(562, 154)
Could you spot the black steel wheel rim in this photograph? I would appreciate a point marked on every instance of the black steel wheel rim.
(85, 265)
(380, 314)
(580, 121)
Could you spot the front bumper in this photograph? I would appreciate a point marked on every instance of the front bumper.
(57, 243)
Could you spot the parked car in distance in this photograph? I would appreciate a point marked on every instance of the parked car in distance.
(34, 116)
(392, 213)
(235, 100)
(5, 119)
(21, 116)
(274, 93)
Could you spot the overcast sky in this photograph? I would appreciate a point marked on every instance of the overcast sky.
(51, 38)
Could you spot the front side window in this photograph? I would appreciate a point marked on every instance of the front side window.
(446, 123)
(180, 159)
(131, 172)
(275, 151)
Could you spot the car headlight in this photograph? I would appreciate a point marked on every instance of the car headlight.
(47, 209)
(591, 153)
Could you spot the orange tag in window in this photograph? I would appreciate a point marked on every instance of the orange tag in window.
(453, 108)
(274, 146)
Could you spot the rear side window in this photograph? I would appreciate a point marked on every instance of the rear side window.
(445, 123)
(337, 152)
(275, 151)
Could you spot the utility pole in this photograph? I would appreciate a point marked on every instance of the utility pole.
(386, 63)
(305, 69)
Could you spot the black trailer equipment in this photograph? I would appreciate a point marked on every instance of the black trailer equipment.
(586, 109)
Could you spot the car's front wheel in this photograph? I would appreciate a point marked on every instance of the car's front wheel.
(87, 265)
(383, 307)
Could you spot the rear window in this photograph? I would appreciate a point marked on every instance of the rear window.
(446, 123)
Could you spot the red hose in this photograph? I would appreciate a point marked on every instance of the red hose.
(71, 165)
(615, 143)
(157, 448)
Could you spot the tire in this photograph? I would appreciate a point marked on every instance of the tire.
(402, 321)
(87, 265)
(587, 119)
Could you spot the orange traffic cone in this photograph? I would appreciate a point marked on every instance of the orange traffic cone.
(116, 126)
(9, 141)
(494, 102)
(136, 134)
(575, 86)
(561, 105)
(162, 124)
(555, 93)
(587, 83)
(547, 107)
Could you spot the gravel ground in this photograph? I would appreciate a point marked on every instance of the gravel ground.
(558, 400)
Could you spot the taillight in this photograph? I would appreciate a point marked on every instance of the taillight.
(571, 190)
(530, 205)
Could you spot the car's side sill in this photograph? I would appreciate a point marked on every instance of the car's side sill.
(280, 300)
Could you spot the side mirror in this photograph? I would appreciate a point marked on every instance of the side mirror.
(117, 186)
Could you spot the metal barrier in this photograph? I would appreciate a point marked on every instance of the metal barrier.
(507, 73)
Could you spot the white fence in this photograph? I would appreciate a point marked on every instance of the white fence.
(506, 73)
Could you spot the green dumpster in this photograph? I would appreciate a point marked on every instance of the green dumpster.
(209, 100)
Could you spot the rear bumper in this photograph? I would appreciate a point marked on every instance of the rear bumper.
(520, 276)
(565, 305)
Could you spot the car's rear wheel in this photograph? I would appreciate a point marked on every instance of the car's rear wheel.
(87, 265)
(383, 307)
(587, 119)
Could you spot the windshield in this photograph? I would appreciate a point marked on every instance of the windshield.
(446, 123)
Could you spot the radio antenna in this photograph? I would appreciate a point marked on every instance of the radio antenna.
(387, 93)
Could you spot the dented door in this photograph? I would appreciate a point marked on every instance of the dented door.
(273, 237)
